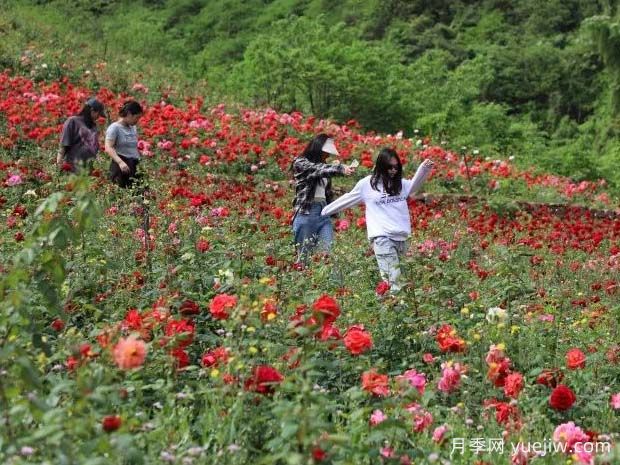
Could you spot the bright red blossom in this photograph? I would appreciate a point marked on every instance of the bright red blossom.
(575, 359)
(220, 304)
(357, 340)
(263, 379)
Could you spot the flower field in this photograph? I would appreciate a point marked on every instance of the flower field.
(175, 328)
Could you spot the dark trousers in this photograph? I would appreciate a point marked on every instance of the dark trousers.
(125, 179)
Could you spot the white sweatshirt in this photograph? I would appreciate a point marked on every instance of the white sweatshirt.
(386, 215)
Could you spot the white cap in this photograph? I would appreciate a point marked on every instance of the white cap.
(330, 147)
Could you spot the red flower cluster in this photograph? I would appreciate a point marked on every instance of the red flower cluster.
(448, 340)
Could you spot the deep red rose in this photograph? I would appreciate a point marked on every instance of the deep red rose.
(111, 423)
(319, 454)
(263, 379)
(562, 398)
(189, 307)
(58, 325)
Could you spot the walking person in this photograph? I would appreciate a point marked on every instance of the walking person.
(313, 191)
(388, 222)
(121, 144)
(79, 141)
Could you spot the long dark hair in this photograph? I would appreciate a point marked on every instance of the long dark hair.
(87, 117)
(394, 185)
(314, 149)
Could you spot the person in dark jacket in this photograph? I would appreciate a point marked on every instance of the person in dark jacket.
(313, 191)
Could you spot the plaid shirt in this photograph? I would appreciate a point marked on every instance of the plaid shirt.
(307, 176)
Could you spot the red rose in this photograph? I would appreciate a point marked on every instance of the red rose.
(356, 340)
(327, 307)
(328, 332)
(183, 330)
(58, 325)
(182, 359)
(263, 379)
(375, 383)
(202, 245)
(550, 378)
(562, 398)
(382, 287)
(215, 357)
(189, 307)
(575, 359)
(319, 454)
(513, 384)
(111, 423)
(220, 303)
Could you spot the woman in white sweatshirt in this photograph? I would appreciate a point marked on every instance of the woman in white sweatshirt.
(388, 222)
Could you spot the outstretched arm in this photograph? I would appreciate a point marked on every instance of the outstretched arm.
(420, 176)
(348, 200)
(320, 170)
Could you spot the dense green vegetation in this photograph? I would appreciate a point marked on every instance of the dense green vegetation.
(538, 80)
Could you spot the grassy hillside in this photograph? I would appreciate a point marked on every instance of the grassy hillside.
(526, 78)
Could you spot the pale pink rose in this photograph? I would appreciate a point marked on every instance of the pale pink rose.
(377, 417)
(569, 434)
(129, 353)
(387, 452)
(615, 401)
(428, 358)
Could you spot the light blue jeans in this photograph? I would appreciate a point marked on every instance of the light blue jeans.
(388, 253)
(312, 232)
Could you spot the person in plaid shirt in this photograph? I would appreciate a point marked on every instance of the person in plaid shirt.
(313, 191)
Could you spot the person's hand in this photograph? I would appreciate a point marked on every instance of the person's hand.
(428, 164)
(348, 171)
(124, 167)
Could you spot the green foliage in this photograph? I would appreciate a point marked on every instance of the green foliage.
(323, 70)
(535, 79)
